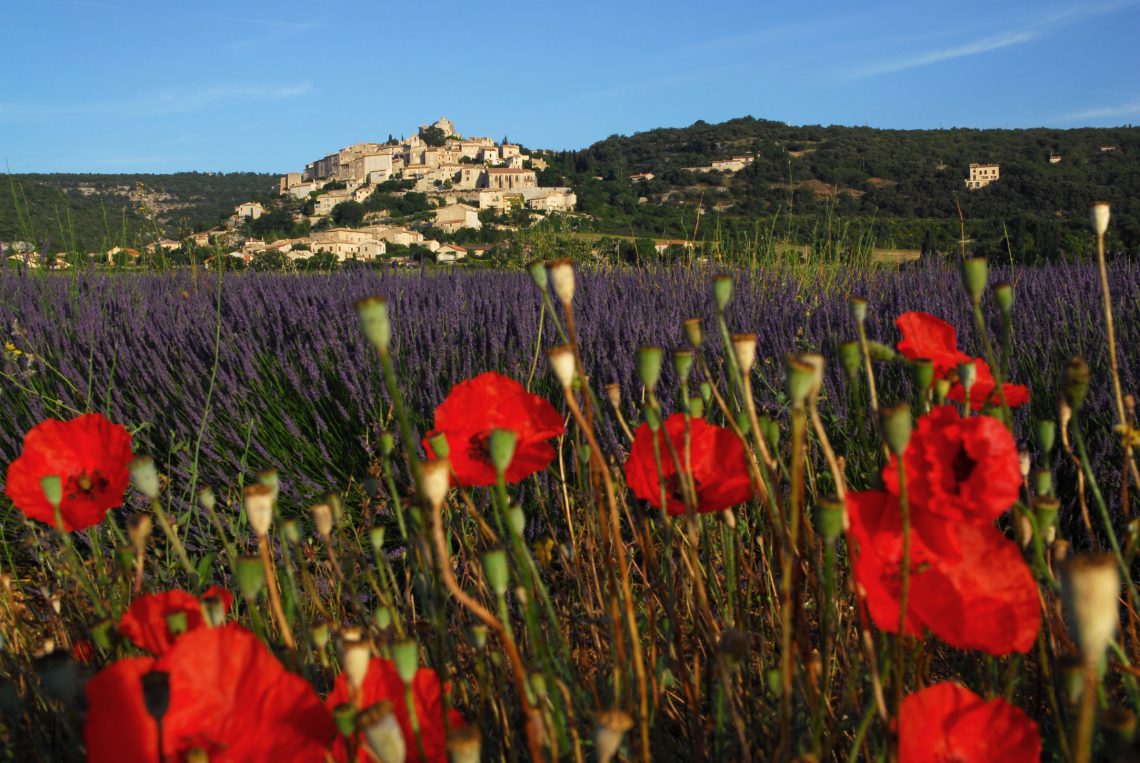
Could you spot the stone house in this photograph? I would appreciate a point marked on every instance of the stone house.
(451, 218)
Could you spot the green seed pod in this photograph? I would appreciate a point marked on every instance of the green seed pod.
(696, 408)
(967, 375)
(649, 361)
(320, 635)
(799, 379)
(439, 446)
(292, 531)
(383, 617)
(1045, 432)
(682, 365)
(144, 475)
(1043, 482)
(387, 444)
(344, 717)
(830, 518)
(376, 539)
(1003, 295)
(501, 447)
(941, 390)
(975, 271)
(516, 520)
(922, 370)
(881, 353)
(1076, 381)
(406, 655)
(373, 313)
(706, 393)
(897, 427)
(1045, 510)
(250, 576)
(537, 270)
(52, 487)
(722, 291)
(694, 332)
(103, 634)
(495, 570)
(743, 423)
(177, 623)
(770, 431)
(858, 308)
(206, 498)
(652, 418)
(851, 358)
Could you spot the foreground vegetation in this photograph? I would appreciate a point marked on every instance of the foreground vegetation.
(827, 537)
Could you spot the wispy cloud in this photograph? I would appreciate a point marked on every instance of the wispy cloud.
(1131, 108)
(171, 102)
(1008, 38)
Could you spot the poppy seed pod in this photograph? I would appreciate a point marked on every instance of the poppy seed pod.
(696, 408)
(436, 478)
(495, 570)
(501, 448)
(611, 728)
(382, 732)
(206, 498)
(613, 394)
(816, 362)
(649, 361)
(1046, 509)
(355, 655)
(897, 427)
(975, 271)
(177, 623)
(322, 518)
(858, 308)
(1043, 482)
(271, 479)
(139, 528)
(320, 634)
(250, 576)
(799, 379)
(693, 332)
(406, 655)
(537, 270)
(376, 538)
(1003, 295)
(144, 475)
(967, 375)
(744, 348)
(831, 518)
(941, 390)
(439, 446)
(344, 718)
(1076, 381)
(1045, 432)
(156, 693)
(562, 279)
(722, 291)
(682, 365)
(850, 357)
(1099, 214)
(382, 617)
(881, 352)
(1023, 463)
(922, 370)
(1090, 587)
(291, 529)
(373, 313)
(516, 520)
(387, 443)
(259, 508)
(464, 745)
(562, 363)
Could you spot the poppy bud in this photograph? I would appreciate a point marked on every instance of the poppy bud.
(706, 393)
(259, 508)
(562, 279)
(323, 519)
(436, 477)
(881, 353)
(373, 313)
(682, 365)
(355, 655)
(537, 270)
(897, 428)
(850, 357)
(967, 375)
(536, 688)
(1003, 295)
(319, 633)
(1090, 585)
(831, 518)
(464, 745)
(144, 475)
(387, 444)
(291, 528)
(406, 655)
(382, 732)
(139, 527)
(439, 446)
(649, 366)
(1043, 482)
(213, 610)
(693, 332)
(722, 291)
(1076, 381)
(562, 363)
(1045, 432)
(52, 487)
(974, 275)
(922, 371)
(743, 423)
(382, 617)
(206, 498)
(250, 576)
(501, 449)
(696, 408)
(477, 636)
(156, 693)
(613, 394)
(941, 390)
(376, 538)
(495, 570)
(1099, 214)
(611, 728)
(744, 347)
(858, 308)
(799, 379)
(177, 623)
(344, 718)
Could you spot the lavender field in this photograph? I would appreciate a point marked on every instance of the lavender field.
(273, 373)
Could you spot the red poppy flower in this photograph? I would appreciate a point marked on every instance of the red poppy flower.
(925, 336)
(145, 621)
(949, 722)
(983, 393)
(719, 466)
(229, 696)
(382, 682)
(985, 599)
(82, 651)
(476, 407)
(956, 470)
(89, 454)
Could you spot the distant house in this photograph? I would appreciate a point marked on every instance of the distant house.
(638, 177)
(661, 246)
(450, 253)
(982, 175)
(451, 218)
(1109, 149)
(1054, 158)
(250, 210)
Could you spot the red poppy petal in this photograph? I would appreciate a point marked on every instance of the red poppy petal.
(144, 622)
(925, 336)
(947, 721)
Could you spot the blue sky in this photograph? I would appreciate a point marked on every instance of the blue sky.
(167, 85)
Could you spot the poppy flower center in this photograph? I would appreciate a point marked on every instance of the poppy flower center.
(676, 488)
(479, 447)
(962, 466)
(85, 485)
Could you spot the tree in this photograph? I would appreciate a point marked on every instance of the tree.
(433, 136)
(348, 213)
(268, 260)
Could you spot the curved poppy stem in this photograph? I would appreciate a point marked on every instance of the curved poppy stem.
(275, 594)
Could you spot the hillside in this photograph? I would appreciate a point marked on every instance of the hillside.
(904, 183)
(94, 212)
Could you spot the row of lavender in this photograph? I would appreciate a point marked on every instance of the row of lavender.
(296, 387)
